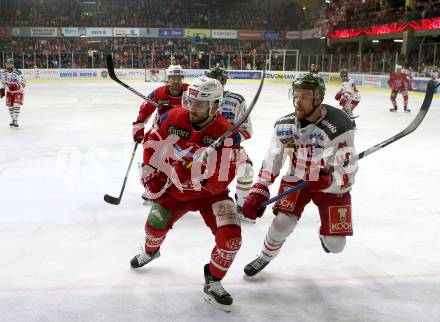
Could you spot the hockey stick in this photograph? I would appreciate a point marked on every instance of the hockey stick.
(409, 129)
(114, 200)
(112, 74)
(217, 143)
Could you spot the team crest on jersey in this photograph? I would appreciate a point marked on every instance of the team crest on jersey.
(180, 132)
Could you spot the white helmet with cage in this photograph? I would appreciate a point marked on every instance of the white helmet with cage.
(204, 89)
(174, 70)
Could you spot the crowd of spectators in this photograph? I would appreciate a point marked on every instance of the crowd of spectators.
(136, 52)
(342, 14)
(220, 14)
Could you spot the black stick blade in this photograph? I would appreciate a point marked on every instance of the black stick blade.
(112, 200)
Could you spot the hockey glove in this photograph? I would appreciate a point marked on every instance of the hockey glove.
(154, 181)
(258, 194)
(138, 131)
(338, 96)
(321, 181)
(2, 92)
(13, 86)
(189, 179)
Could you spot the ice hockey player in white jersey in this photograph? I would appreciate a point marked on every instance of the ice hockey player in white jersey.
(12, 85)
(313, 140)
(232, 109)
(348, 96)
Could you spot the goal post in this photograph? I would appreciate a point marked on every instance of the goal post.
(283, 59)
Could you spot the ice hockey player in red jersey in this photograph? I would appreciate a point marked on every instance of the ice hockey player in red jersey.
(348, 96)
(164, 98)
(12, 85)
(399, 82)
(173, 151)
(314, 139)
(232, 109)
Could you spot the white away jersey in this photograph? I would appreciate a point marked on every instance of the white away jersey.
(13, 77)
(329, 141)
(232, 108)
(349, 88)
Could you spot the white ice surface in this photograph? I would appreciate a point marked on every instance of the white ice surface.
(64, 252)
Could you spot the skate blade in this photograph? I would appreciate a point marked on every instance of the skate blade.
(209, 299)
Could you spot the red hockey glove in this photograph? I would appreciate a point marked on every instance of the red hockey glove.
(13, 86)
(258, 194)
(138, 131)
(2, 92)
(322, 182)
(190, 180)
(338, 96)
(155, 181)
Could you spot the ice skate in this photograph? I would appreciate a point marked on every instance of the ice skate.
(256, 266)
(143, 258)
(215, 294)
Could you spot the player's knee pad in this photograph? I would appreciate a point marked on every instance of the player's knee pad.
(282, 226)
(159, 217)
(225, 213)
(333, 244)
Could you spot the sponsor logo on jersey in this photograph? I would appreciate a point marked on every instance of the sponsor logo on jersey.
(342, 145)
(163, 102)
(316, 136)
(228, 115)
(329, 126)
(180, 132)
(340, 219)
(228, 102)
(207, 139)
(233, 244)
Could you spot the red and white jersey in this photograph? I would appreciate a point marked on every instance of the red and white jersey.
(165, 101)
(14, 77)
(327, 142)
(232, 109)
(176, 122)
(399, 81)
(350, 90)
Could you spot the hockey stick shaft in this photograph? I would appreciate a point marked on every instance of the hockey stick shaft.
(114, 200)
(112, 74)
(409, 129)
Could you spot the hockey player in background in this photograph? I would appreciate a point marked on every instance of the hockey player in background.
(348, 96)
(190, 130)
(314, 69)
(167, 97)
(314, 138)
(232, 109)
(13, 85)
(399, 83)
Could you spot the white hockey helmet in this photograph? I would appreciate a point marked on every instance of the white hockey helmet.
(174, 70)
(204, 89)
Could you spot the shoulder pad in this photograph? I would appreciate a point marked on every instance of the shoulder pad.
(287, 119)
(236, 96)
(335, 122)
